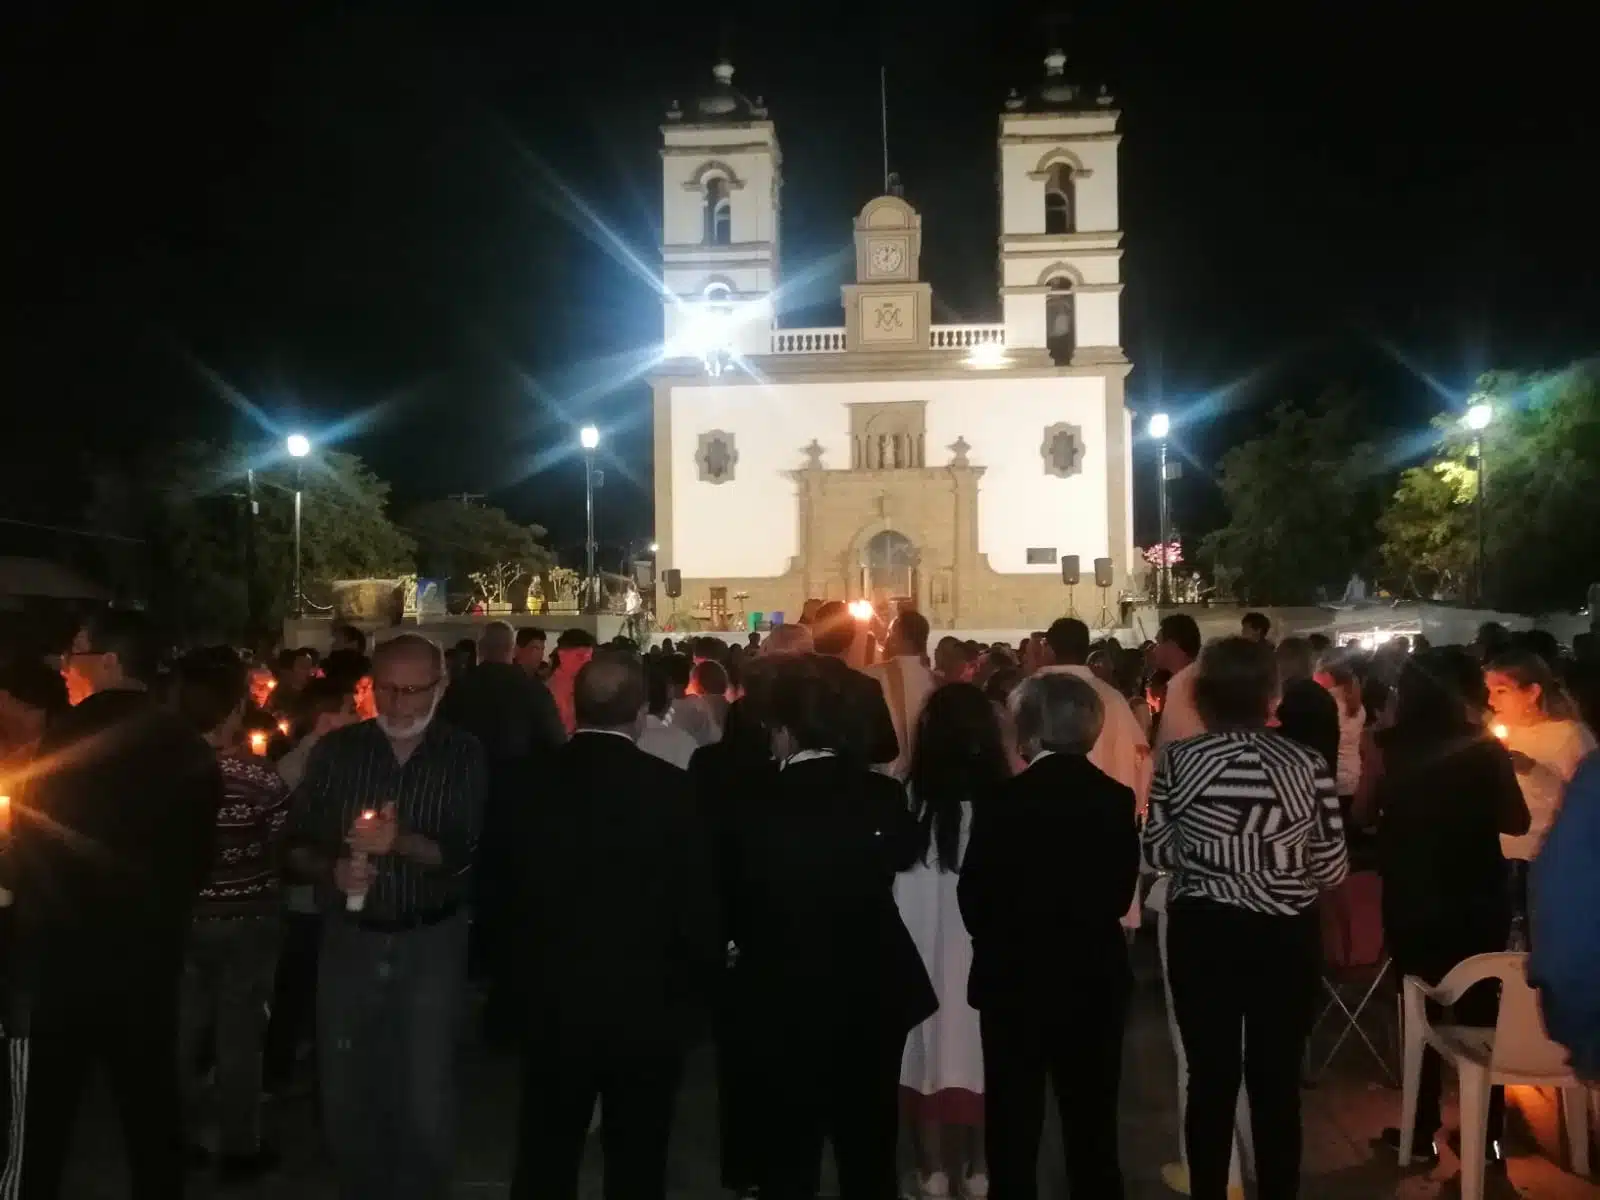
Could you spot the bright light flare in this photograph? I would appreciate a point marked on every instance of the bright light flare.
(298, 445)
(589, 437)
(1160, 425)
(987, 355)
(1478, 416)
(655, 547)
(861, 610)
(1500, 731)
(258, 743)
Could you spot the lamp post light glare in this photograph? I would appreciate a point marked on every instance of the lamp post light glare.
(1478, 417)
(1160, 426)
(655, 547)
(298, 445)
(589, 439)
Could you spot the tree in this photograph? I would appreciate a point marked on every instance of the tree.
(189, 502)
(1298, 499)
(461, 541)
(1541, 459)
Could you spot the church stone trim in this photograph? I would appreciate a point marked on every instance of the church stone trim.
(1060, 156)
(1062, 450)
(889, 434)
(712, 168)
(716, 456)
(1061, 268)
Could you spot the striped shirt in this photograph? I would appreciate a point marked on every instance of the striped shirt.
(438, 793)
(250, 822)
(1247, 819)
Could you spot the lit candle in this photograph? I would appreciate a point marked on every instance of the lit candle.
(5, 816)
(258, 742)
(1500, 731)
(356, 901)
(283, 728)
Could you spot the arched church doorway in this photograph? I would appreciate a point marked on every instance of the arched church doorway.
(889, 569)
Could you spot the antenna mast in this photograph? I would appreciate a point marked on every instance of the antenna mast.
(883, 110)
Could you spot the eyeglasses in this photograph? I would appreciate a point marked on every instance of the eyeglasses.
(397, 689)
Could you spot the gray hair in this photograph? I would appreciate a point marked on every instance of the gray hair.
(1057, 711)
(497, 642)
(409, 643)
(788, 639)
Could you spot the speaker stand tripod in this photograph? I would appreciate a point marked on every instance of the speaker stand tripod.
(1072, 601)
(1105, 607)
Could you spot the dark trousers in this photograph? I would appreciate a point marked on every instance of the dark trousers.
(560, 1084)
(738, 1123)
(1079, 1051)
(388, 1008)
(846, 1090)
(136, 1044)
(1250, 979)
(294, 995)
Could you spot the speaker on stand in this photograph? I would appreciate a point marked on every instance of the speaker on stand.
(1070, 575)
(1102, 580)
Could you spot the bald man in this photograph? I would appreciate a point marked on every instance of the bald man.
(618, 933)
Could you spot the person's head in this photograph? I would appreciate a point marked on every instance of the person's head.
(1060, 713)
(1001, 682)
(908, 636)
(325, 705)
(1255, 626)
(610, 692)
(1295, 660)
(262, 684)
(575, 647)
(833, 629)
(1440, 692)
(1541, 642)
(753, 642)
(1523, 690)
(804, 710)
(952, 660)
(658, 685)
(211, 693)
(31, 696)
(408, 677)
(1492, 639)
(788, 639)
(959, 755)
(344, 667)
(1177, 642)
(115, 648)
(708, 678)
(296, 667)
(1236, 687)
(497, 643)
(530, 647)
(1320, 644)
(1337, 673)
(348, 637)
(1068, 639)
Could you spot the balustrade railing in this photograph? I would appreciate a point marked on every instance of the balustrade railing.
(808, 341)
(832, 341)
(964, 337)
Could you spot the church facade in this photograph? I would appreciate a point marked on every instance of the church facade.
(890, 457)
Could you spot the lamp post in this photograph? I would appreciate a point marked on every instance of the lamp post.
(1160, 425)
(1478, 417)
(298, 446)
(589, 439)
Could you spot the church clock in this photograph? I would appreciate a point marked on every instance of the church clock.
(887, 308)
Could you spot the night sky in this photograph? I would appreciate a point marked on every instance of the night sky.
(392, 221)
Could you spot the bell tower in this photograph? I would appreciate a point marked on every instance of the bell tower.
(721, 173)
(888, 307)
(1060, 235)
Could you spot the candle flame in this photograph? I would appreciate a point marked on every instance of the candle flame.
(368, 814)
(258, 742)
(283, 728)
(1500, 731)
(861, 610)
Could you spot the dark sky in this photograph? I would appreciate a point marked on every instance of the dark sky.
(395, 211)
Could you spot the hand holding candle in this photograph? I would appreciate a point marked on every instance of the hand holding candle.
(258, 743)
(360, 869)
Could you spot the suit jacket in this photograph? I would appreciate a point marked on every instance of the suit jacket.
(505, 708)
(865, 711)
(616, 926)
(822, 948)
(1050, 868)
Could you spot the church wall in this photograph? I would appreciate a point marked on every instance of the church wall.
(751, 208)
(746, 528)
(1098, 319)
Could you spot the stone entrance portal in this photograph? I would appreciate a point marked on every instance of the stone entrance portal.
(889, 568)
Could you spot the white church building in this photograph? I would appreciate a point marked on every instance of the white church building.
(889, 457)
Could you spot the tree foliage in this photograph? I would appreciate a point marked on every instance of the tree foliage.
(189, 502)
(457, 540)
(1299, 507)
(1541, 457)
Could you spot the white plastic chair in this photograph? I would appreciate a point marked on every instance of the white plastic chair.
(1516, 1050)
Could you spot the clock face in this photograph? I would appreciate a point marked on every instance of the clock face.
(887, 258)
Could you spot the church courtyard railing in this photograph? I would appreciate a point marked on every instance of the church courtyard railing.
(832, 340)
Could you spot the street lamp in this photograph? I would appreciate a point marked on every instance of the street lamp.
(1479, 414)
(655, 547)
(298, 446)
(589, 439)
(1160, 426)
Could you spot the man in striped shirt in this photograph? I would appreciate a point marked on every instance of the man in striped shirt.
(389, 811)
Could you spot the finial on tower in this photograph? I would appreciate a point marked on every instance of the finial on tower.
(723, 72)
(1055, 63)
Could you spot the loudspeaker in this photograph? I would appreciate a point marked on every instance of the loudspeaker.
(1069, 570)
(1102, 572)
(674, 581)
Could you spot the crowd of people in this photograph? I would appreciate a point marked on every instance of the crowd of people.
(895, 887)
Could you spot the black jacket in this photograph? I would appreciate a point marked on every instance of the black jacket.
(864, 714)
(112, 841)
(505, 708)
(1444, 798)
(615, 927)
(822, 948)
(1308, 714)
(1050, 869)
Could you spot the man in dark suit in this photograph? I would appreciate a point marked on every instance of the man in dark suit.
(871, 735)
(1050, 868)
(618, 938)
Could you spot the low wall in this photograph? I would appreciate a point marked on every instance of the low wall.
(317, 632)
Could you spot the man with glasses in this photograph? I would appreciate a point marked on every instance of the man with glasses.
(386, 822)
(112, 838)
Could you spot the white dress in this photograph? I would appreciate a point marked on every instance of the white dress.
(945, 1052)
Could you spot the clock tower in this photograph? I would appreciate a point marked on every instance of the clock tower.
(887, 308)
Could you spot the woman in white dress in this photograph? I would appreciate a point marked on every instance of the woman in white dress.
(960, 756)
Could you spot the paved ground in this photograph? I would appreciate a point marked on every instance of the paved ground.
(1342, 1115)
